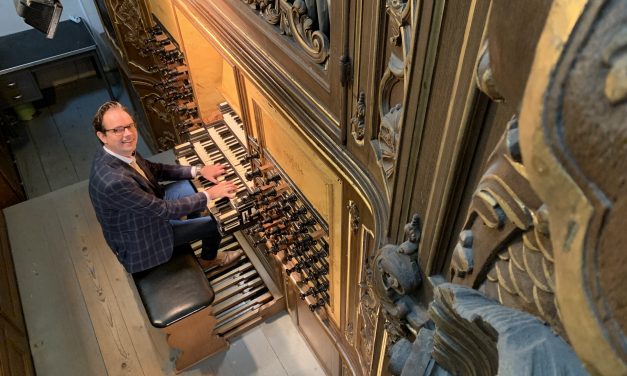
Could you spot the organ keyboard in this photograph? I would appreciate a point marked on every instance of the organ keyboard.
(280, 223)
(215, 143)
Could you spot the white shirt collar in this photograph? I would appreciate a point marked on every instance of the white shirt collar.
(120, 157)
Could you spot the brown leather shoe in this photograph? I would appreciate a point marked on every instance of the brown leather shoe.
(223, 259)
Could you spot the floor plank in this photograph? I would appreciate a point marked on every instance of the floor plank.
(55, 148)
(28, 163)
(253, 355)
(154, 356)
(54, 310)
(287, 345)
(54, 157)
(107, 318)
(72, 115)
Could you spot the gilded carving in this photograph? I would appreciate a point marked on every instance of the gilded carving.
(358, 119)
(573, 132)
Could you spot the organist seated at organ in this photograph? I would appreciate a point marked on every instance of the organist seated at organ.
(140, 218)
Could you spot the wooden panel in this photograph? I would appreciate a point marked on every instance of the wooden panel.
(318, 182)
(288, 348)
(61, 336)
(10, 306)
(229, 86)
(163, 10)
(109, 325)
(205, 66)
(15, 359)
(10, 189)
(321, 344)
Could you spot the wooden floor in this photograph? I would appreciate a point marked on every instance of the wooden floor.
(80, 306)
(55, 148)
(82, 311)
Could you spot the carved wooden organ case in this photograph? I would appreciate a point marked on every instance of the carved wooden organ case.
(455, 203)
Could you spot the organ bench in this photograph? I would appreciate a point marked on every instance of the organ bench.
(177, 298)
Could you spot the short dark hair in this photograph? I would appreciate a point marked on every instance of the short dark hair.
(97, 122)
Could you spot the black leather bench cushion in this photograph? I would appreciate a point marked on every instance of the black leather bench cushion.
(174, 290)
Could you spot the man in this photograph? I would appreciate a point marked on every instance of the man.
(140, 218)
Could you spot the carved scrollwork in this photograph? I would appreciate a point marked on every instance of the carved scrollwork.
(573, 129)
(307, 21)
(393, 80)
(368, 314)
(304, 30)
(157, 106)
(358, 120)
(128, 15)
(387, 142)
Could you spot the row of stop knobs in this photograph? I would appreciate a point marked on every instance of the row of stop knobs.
(285, 228)
(175, 85)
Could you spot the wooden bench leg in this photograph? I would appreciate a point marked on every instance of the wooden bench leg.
(193, 337)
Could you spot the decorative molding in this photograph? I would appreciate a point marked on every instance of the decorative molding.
(367, 315)
(348, 333)
(358, 119)
(386, 144)
(306, 21)
(484, 76)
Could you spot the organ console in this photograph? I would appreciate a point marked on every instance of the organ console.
(339, 122)
(277, 222)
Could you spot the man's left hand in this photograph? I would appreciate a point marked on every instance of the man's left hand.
(212, 172)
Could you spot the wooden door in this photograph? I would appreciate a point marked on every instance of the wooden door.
(15, 356)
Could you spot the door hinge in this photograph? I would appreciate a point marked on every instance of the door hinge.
(346, 70)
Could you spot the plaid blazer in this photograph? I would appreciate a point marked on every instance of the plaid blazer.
(131, 210)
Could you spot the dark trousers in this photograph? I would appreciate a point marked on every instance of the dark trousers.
(194, 227)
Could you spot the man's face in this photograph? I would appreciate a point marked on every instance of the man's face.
(123, 143)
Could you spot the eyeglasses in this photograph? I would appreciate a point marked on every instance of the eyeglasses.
(118, 131)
